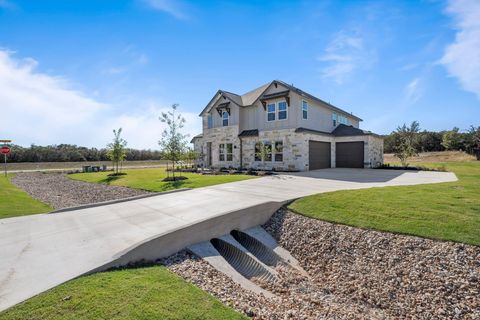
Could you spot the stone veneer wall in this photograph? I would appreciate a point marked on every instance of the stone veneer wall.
(216, 136)
(295, 148)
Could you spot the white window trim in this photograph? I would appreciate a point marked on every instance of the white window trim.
(274, 112)
(306, 110)
(278, 110)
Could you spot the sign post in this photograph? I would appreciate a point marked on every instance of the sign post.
(5, 149)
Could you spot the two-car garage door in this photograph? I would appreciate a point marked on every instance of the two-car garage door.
(349, 154)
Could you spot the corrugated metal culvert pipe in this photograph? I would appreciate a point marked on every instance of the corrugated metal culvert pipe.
(257, 248)
(241, 261)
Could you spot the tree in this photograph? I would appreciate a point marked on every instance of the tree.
(116, 149)
(451, 139)
(406, 146)
(190, 156)
(264, 151)
(473, 141)
(173, 143)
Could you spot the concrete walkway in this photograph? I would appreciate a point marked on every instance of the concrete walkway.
(39, 252)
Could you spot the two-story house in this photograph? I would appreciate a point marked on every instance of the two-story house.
(300, 132)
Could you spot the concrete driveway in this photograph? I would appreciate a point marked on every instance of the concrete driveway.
(41, 251)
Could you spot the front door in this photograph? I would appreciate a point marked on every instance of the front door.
(209, 154)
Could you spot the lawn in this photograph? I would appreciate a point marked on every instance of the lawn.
(16, 202)
(448, 211)
(151, 179)
(141, 293)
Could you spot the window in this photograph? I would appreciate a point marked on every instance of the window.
(263, 150)
(225, 118)
(339, 119)
(271, 112)
(221, 152)
(229, 152)
(258, 145)
(210, 121)
(268, 151)
(278, 151)
(225, 152)
(282, 110)
(304, 109)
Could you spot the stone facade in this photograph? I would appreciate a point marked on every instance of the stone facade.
(295, 148)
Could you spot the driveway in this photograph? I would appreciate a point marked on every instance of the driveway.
(41, 251)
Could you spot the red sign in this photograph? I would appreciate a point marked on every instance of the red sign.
(5, 150)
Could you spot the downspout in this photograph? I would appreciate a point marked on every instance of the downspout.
(241, 153)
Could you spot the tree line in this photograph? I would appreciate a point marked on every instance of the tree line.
(427, 141)
(74, 153)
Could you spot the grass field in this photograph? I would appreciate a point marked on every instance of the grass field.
(78, 165)
(16, 202)
(448, 211)
(151, 179)
(142, 293)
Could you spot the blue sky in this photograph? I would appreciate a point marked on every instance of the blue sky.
(71, 71)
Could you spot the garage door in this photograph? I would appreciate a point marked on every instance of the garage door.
(349, 154)
(319, 155)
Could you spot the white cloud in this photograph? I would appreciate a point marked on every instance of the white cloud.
(174, 7)
(144, 129)
(345, 54)
(462, 57)
(43, 109)
(413, 91)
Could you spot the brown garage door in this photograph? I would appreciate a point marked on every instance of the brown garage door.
(319, 155)
(349, 154)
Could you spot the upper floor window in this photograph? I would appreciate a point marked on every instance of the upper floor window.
(304, 109)
(282, 110)
(225, 118)
(209, 121)
(339, 119)
(271, 112)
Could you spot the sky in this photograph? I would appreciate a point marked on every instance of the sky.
(72, 71)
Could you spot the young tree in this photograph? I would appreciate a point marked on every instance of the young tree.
(116, 149)
(263, 150)
(173, 142)
(190, 156)
(406, 144)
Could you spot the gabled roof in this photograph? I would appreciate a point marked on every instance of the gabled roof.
(253, 96)
(196, 137)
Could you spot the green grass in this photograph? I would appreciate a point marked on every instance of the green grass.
(15, 202)
(141, 293)
(447, 211)
(151, 179)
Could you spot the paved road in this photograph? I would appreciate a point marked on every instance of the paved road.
(39, 252)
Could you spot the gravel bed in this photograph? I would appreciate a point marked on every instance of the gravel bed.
(353, 274)
(60, 192)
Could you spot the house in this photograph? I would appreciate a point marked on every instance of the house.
(300, 132)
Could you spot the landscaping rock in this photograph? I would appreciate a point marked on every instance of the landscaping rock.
(60, 192)
(352, 274)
